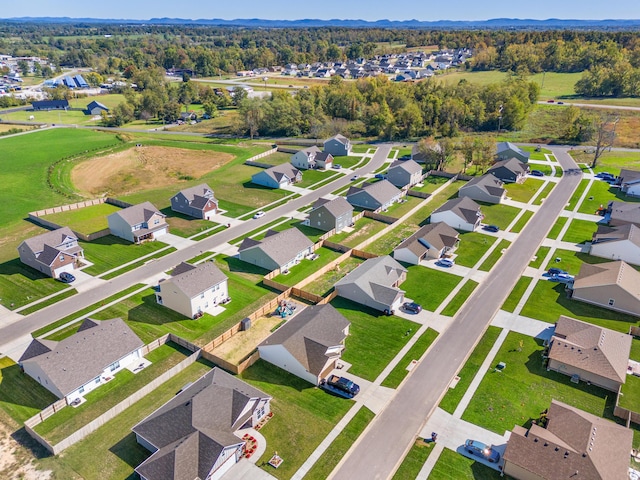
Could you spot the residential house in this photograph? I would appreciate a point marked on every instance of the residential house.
(629, 181)
(374, 196)
(434, 240)
(75, 366)
(506, 150)
(52, 252)
(460, 213)
(50, 105)
(589, 353)
(338, 145)
(623, 213)
(617, 243)
(138, 223)
(486, 188)
(309, 344)
(375, 284)
(280, 250)
(417, 155)
(510, 170)
(96, 108)
(612, 285)
(404, 173)
(311, 158)
(198, 433)
(193, 290)
(196, 202)
(277, 176)
(328, 214)
(572, 445)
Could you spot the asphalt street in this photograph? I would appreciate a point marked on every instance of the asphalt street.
(378, 453)
(72, 304)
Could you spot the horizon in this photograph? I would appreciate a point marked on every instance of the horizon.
(370, 11)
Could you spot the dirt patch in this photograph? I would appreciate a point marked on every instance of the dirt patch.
(15, 462)
(144, 168)
(243, 343)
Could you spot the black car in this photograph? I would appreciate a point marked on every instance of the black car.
(491, 228)
(412, 307)
(66, 277)
(536, 173)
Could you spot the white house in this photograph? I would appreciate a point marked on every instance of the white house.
(138, 223)
(630, 182)
(280, 250)
(617, 243)
(460, 213)
(193, 290)
(434, 240)
(312, 158)
(73, 367)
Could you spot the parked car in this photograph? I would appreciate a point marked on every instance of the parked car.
(259, 214)
(337, 166)
(481, 450)
(340, 386)
(355, 177)
(604, 175)
(491, 228)
(536, 173)
(380, 176)
(412, 307)
(562, 278)
(551, 101)
(445, 262)
(555, 271)
(66, 277)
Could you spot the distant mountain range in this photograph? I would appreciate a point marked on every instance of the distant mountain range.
(496, 23)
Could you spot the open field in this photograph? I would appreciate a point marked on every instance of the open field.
(610, 162)
(387, 242)
(84, 220)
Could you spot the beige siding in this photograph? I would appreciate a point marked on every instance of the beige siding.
(622, 300)
(519, 473)
(584, 375)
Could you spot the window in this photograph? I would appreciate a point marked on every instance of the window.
(114, 366)
(81, 389)
(62, 257)
(156, 221)
(611, 302)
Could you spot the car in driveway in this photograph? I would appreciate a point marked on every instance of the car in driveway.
(445, 262)
(536, 173)
(380, 176)
(555, 271)
(337, 166)
(491, 228)
(66, 277)
(412, 307)
(259, 214)
(562, 278)
(481, 450)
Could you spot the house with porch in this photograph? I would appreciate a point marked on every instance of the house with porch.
(52, 253)
(138, 223)
(338, 145)
(198, 433)
(75, 366)
(328, 214)
(309, 344)
(434, 240)
(460, 213)
(278, 176)
(280, 250)
(193, 290)
(375, 284)
(374, 196)
(196, 202)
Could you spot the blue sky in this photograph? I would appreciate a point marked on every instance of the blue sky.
(327, 9)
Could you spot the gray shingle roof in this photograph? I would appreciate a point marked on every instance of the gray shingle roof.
(408, 166)
(612, 234)
(375, 277)
(284, 169)
(77, 359)
(140, 213)
(193, 428)
(629, 176)
(382, 191)
(335, 207)
(202, 190)
(512, 164)
(54, 239)
(341, 138)
(437, 235)
(195, 280)
(281, 247)
(309, 334)
(488, 183)
(504, 146)
(464, 207)
(625, 212)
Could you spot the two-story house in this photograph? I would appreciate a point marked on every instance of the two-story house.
(52, 253)
(138, 223)
(196, 202)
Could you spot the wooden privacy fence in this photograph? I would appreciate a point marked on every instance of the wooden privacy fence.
(415, 193)
(380, 218)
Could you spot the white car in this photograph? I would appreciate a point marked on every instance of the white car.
(259, 214)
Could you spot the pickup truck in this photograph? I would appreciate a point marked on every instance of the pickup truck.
(340, 386)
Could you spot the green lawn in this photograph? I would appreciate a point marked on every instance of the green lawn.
(572, 261)
(557, 227)
(407, 203)
(635, 350)
(612, 161)
(309, 177)
(361, 148)
(580, 231)
(303, 416)
(113, 449)
(599, 196)
(573, 202)
(374, 338)
(524, 389)
(497, 214)
(452, 398)
(453, 466)
(414, 461)
(536, 155)
(62, 424)
(85, 220)
(494, 256)
(516, 294)
(21, 285)
(454, 305)
(630, 394)
(139, 263)
(472, 247)
(523, 192)
(416, 352)
(364, 228)
(541, 254)
(544, 194)
(345, 440)
(351, 160)
(324, 284)
(427, 286)
(387, 242)
(522, 221)
(549, 300)
(50, 301)
(21, 397)
(109, 252)
(431, 183)
(307, 267)
(312, 233)
(185, 226)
